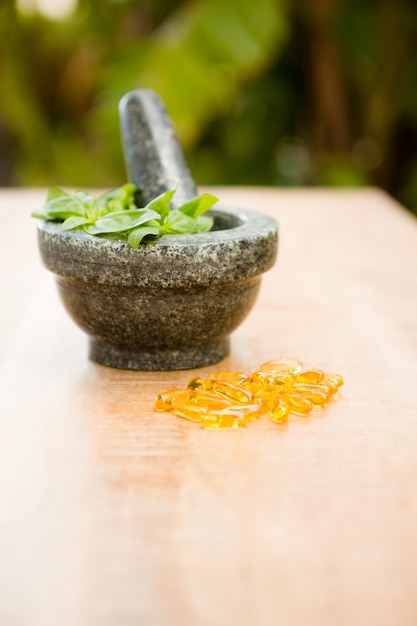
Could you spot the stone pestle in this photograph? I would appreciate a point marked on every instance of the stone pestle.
(153, 155)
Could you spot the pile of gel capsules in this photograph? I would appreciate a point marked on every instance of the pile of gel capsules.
(232, 399)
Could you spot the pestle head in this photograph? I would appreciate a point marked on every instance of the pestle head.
(154, 158)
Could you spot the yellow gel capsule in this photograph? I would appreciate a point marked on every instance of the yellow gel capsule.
(247, 411)
(229, 390)
(263, 398)
(325, 387)
(296, 403)
(232, 417)
(209, 401)
(279, 411)
(252, 387)
(310, 377)
(328, 386)
(282, 380)
(196, 412)
(261, 380)
(284, 366)
(236, 378)
(183, 407)
(163, 401)
(199, 409)
(222, 421)
(335, 379)
(195, 383)
(314, 393)
(191, 415)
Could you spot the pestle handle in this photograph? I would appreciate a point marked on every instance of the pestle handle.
(154, 158)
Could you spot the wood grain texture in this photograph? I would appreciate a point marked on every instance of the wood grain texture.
(114, 515)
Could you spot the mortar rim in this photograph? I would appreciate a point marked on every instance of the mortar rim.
(243, 251)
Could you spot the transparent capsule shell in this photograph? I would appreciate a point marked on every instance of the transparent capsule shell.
(163, 401)
(297, 403)
(284, 366)
(236, 378)
(229, 390)
(318, 394)
(279, 411)
(310, 377)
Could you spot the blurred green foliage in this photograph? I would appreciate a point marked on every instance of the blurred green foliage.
(270, 92)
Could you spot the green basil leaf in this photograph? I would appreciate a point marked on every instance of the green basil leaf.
(125, 193)
(119, 221)
(64, 206)
(75, 221)
(137, 234)
(55, 192)
(178, 223)
(116, 205)
(119, 199)
(40, 215)
(199, 205)
(160, 204)
(90, 229)
(83, 197)
(204, 223)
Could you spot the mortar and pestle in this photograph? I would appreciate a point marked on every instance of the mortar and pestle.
(171, 304)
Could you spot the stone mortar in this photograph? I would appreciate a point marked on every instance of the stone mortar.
(169, 305)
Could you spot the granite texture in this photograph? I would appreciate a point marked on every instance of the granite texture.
(154, 158)
(171, 304)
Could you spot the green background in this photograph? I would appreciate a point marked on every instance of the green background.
(262, 92)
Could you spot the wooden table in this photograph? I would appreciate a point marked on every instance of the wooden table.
(114, 515)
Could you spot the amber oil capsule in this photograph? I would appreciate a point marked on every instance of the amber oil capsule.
(279, 411)
(232, 417)
(197, 407)
(184, 408)
(200, 408)
(310, 377)
(208, 400)
(266, 378)
(330, 384)
(249, 412)
(336, 379)
(163, 401)
(236, 378)
(327, 386)
(282, 381)
(284, 366)
(314, 393)
(261, 380)
(195, 383)
(296, 403)
(323, 387)
(263, 398)
(253, 388)
(222, 421)
(229, 390)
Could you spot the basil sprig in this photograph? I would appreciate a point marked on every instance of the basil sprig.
(116, 215)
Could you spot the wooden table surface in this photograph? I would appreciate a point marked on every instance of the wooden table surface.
(114, 515)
